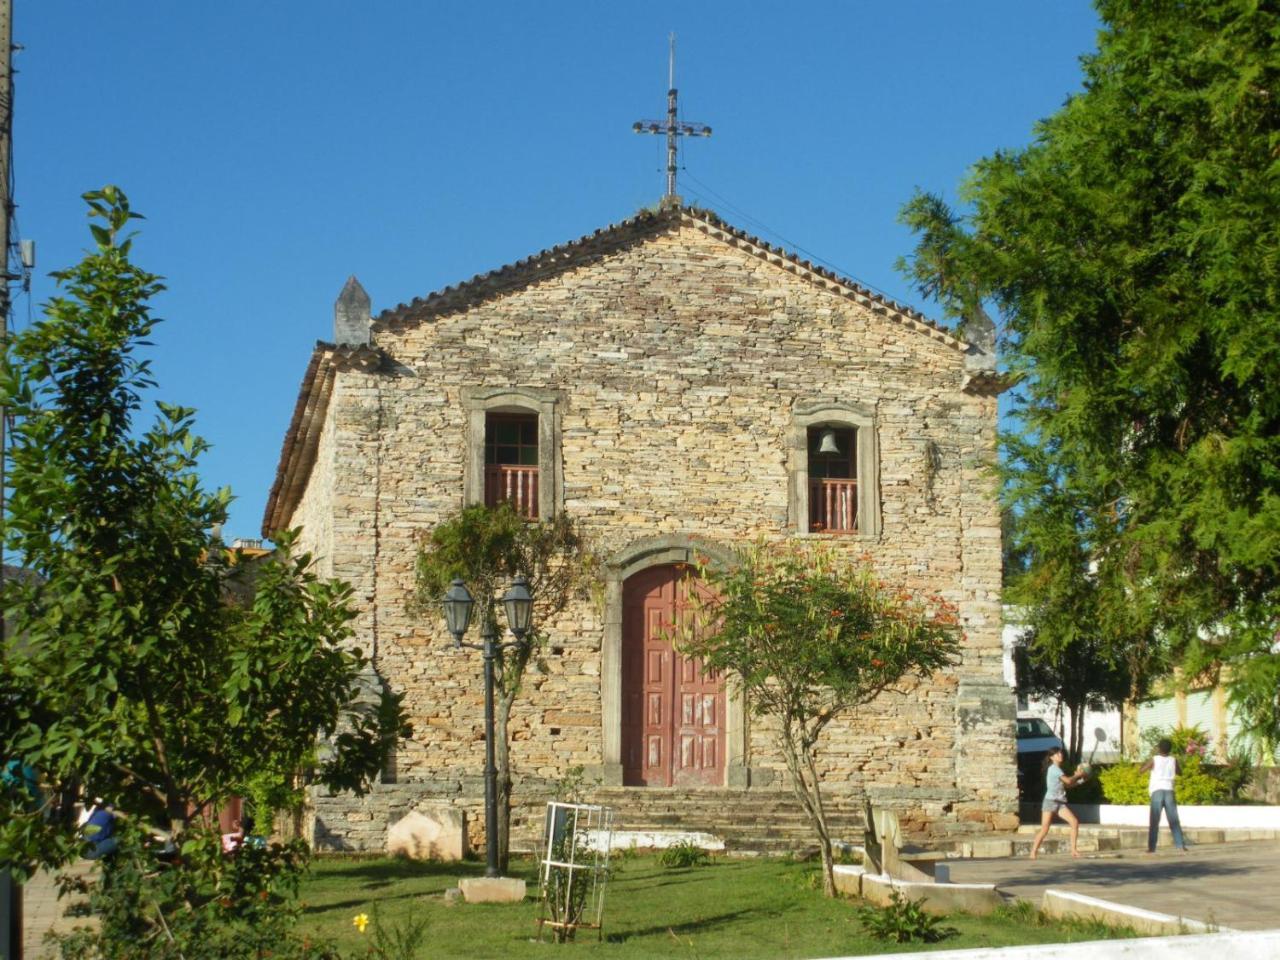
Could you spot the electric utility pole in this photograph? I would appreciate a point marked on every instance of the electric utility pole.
(10, 889)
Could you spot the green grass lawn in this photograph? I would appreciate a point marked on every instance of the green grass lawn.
(731, 908)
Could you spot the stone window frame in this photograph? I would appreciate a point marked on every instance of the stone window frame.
(840, 415)
(478, 402)
(635, 557)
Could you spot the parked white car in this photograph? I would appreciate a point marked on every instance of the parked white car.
(1036, 737)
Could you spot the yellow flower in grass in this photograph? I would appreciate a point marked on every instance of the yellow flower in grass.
(361, 921)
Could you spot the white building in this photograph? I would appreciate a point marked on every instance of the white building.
(1107, 722)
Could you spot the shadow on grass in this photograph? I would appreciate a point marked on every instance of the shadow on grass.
(364, 901)
(700, 925)
(636, 884)
(357, 903)
(720, 867)
(381, 872)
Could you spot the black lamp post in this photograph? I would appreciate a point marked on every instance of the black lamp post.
(518, 604)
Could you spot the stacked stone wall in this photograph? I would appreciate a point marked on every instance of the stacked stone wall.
(314, 515)
(680, 362)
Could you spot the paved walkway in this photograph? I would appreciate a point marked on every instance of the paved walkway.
(1231, 884)
(43, 912)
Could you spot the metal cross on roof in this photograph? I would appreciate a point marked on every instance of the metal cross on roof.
(672, 126)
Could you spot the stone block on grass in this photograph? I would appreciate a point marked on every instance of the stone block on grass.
(848, 879)
(492, 889)
(435, 832)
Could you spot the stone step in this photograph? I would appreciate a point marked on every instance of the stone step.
(671, 821)
(710, 799)
(722, 816)
(736, 811)
(771, 848)
(748, 821)
(1126, 837)
(1092, 839)
(723, 831)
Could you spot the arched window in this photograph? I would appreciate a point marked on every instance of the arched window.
(834, 470)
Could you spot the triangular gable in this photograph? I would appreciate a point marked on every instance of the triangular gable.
(566, 256)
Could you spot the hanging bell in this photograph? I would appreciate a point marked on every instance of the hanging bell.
(828, 443)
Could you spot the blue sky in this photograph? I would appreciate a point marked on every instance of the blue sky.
(277, 148)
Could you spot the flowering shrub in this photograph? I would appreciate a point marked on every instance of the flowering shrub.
(395, 941)
(1201, 780)
(1185, 741)
(808, 633)
(1196, 784)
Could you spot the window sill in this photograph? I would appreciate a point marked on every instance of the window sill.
(837, 535)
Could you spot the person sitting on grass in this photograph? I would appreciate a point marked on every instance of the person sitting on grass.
(1055, 800)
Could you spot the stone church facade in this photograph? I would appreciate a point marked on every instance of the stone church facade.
(680, 388)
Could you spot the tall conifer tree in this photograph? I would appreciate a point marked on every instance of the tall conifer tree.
(1133, 250)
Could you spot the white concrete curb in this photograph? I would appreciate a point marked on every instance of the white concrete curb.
(1192, 817)
(940, 898)
(1059, 903)
(1254, 945)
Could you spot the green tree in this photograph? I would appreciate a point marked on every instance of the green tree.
(1090, 639)
(807, 635)
(1132, 252)
(129, 672)
(1078, 675)
(486, 547)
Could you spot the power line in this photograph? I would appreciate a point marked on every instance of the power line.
(763, 227)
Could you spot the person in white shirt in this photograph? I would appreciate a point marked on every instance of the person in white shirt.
(1164, 769)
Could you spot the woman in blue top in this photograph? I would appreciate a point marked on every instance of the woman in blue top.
(1055, 800)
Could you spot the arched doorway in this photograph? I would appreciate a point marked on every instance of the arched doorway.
(673, 712)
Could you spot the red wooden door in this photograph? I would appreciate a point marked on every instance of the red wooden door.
(672, 710)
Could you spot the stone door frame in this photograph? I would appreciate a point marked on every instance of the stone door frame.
(635, 557)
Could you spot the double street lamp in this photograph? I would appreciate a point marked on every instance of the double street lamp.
(518, 604)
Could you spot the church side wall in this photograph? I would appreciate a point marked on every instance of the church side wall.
(314, 513)
(356, 416)
(985, 707)
(681, 362)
